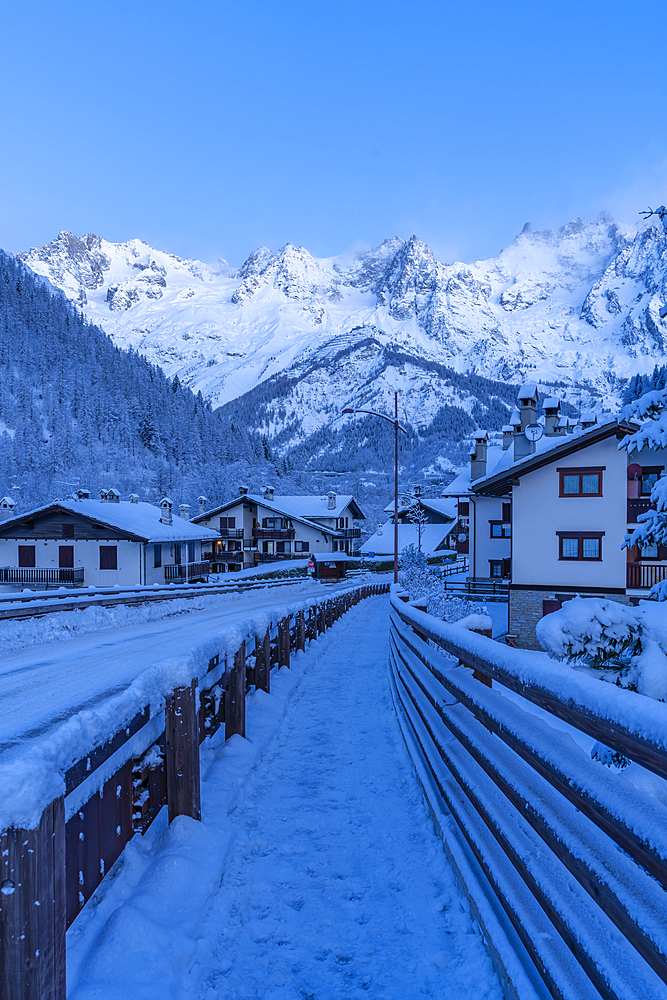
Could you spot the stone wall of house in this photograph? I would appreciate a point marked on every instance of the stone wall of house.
(526, 609)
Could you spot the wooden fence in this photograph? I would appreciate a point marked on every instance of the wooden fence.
(564, 860)
(47, 874)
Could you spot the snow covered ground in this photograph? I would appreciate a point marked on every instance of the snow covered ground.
(315, 873)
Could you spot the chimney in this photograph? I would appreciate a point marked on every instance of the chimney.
(528, 404)
(113, 496)
(83, 494)
(165, 505)
(202, 501)
(6, 508)
(268, 493)
(331, 500)
(478, 456)
(552, 426)
(134, 498)
(103, 496)
(184, 511)
(508, 435)
(243, 491)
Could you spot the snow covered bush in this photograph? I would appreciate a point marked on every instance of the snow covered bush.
(650, 411)
(628, 644)
(422, 580)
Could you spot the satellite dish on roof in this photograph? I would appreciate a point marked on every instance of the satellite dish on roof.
(634, 471)
(534, 432)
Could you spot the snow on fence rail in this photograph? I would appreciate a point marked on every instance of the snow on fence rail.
(68, 809)
(558, 854)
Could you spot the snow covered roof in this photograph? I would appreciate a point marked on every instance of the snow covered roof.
(551, 403)
(527, 391)
(432, 536)
(140, 520)
(441, 505)
(330, 557)
(497, 482)
(461, 485)
(303, 509)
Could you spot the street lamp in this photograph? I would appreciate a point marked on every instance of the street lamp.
(397, 428)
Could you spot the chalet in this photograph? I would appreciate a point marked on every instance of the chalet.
(439, 517)
(100, 543)
(255, 528)
(571, 499)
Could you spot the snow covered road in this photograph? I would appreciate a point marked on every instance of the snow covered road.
(330, 881)
(47, 683)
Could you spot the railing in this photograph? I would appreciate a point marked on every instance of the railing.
(564, 861)
(484, 588)
(24, 574)
(638, 506)
(231, 532)
(179, 571)
(273, 533)
(261, 557)
(643, 576)
(453, 569)
(350, 532)
(155, 763)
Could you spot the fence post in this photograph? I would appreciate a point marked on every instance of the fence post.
(263, 663)
(477, 674)
(181, 741)
(33, 909)
(235, 696)
(300, 631)
(321, 621)
(283, 642)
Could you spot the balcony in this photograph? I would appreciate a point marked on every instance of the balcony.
(195, 571)
(231, 532)
(638, 506)
(34, 574)
(278, 533)
(261, 557)
(643, 576)
(350, 532)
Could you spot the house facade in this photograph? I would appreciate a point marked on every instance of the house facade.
(99, 543)
(572, 500)
(256, 528)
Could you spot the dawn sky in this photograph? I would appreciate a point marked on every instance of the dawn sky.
(209, 128)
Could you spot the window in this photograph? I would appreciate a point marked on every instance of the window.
(301, 547)
(26, 555)
(157, 556)
(648, 551)
(177, 553)
(496, 567)
(499, 530)
(108, 557)
(283, 547)
(580, 482)
(191, 551)
(580, 545)
(227, 522)
(507, 513)
(267, 547)
(649, 479)
(66, 557)
(464, 509)
(68, 531)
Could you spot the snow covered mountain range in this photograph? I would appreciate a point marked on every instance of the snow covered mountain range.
(582, 305)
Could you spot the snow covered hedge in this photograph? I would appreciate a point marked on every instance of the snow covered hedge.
(424, 581)
(628, 644)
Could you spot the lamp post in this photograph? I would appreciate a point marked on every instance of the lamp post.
(397, 428)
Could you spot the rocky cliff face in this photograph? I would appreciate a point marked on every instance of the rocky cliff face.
(584, 304)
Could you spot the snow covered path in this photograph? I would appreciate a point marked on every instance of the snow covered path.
(337, 885)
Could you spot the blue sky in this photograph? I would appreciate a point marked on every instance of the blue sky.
(209, 128)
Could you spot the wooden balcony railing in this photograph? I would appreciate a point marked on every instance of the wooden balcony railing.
(351, 532)
(35, 574)
(261, 557)
(638, 506)
(195, 571)
(643, 576)
(273, 533)
(231, 532)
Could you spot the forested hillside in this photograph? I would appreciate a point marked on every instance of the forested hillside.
(76, 410)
